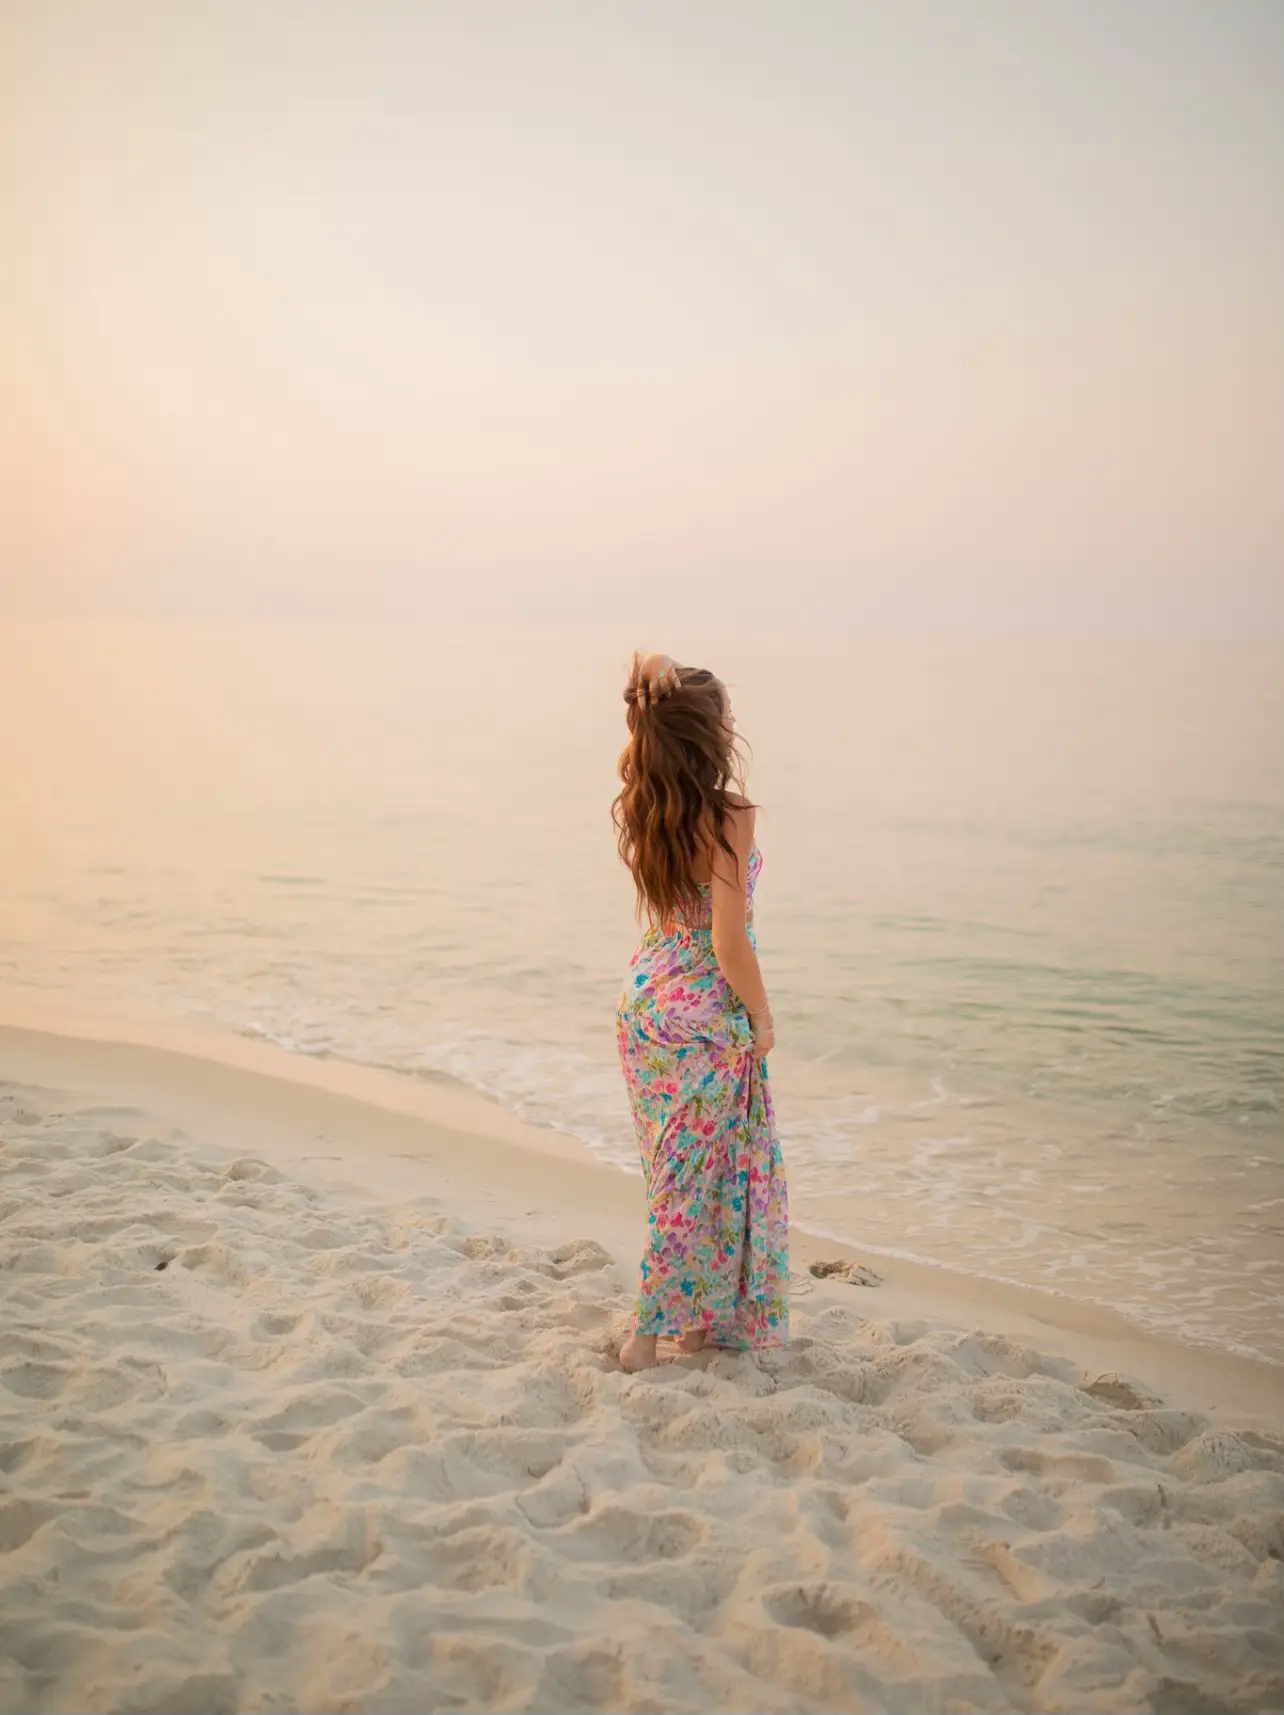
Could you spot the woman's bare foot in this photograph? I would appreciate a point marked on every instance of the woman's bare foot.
(694, 1341)
(638, 1353)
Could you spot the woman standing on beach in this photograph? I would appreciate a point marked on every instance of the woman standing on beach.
(694, 1027)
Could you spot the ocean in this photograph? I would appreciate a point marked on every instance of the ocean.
(1021, 916)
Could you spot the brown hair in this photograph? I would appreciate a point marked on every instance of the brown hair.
(678, 770)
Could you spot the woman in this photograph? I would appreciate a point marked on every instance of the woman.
(694, 1027)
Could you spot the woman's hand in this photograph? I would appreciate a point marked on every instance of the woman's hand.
(764, 1032)
(659, 674)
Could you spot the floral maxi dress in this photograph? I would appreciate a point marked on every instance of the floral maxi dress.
(717, 1257)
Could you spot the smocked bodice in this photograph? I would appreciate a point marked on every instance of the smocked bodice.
(703, 918)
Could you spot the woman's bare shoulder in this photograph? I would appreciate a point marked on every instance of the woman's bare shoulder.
(741, 822)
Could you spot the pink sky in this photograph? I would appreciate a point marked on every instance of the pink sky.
(891, 313)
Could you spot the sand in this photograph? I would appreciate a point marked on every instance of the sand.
(309, 1401)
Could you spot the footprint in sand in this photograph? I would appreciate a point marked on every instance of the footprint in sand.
(1122, 1394)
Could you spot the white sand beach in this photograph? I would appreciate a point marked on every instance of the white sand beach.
(309, 1401)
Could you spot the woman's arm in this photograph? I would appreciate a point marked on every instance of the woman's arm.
(731, 944)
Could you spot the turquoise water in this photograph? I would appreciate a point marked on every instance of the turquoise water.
(1022, 914)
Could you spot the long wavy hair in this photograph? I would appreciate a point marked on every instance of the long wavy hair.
(678, 772)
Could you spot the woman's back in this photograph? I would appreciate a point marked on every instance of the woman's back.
(699, 914)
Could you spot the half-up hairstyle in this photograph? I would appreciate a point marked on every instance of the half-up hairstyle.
(678, 770)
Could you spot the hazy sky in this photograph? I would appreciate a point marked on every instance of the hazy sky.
(857, 313)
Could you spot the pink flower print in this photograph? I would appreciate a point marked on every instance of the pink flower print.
(718, 1250)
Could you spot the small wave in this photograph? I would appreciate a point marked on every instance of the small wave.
(260, 1033)
(965, 1199)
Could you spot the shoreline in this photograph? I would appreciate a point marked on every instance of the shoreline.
(391, 1135)
(310, 1398)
